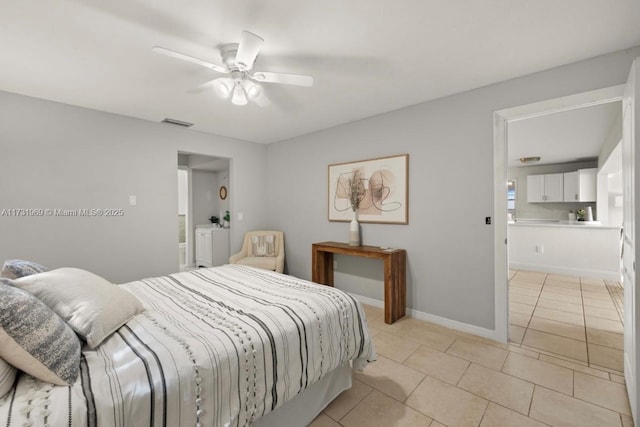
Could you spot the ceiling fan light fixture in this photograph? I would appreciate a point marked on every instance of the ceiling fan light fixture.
(239, 96)
(222, 88)
(252, 89)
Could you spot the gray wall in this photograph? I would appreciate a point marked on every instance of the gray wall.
(59, 156)
(450, 143)
(205, 196)
(224, 205)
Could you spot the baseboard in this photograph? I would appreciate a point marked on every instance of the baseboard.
(592, 274)
(442, 321)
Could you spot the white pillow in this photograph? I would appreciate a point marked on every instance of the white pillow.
(93, 307)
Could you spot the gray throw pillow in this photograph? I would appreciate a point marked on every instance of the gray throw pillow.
(35, 340)
(15, 268)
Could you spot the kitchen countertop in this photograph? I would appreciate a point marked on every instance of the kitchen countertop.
(532, 222)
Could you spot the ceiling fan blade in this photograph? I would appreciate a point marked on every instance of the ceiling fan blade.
(203, 87)
(287, 79)
(188, 58)
(261, 100)
(248, 50)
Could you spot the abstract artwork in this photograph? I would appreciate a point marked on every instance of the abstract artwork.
(380, 185)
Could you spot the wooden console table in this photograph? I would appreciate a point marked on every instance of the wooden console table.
(395, 271)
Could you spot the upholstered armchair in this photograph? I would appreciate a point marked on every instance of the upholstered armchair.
(261, 249)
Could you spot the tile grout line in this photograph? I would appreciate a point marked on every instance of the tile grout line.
(580, 400)
(584, 319)
(354, 406)
(526, 328)
(531, 402)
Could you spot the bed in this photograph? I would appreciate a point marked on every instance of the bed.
(224, 346)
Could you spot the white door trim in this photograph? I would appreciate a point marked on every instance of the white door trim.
(500, 123)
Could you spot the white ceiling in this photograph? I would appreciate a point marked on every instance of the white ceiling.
(367, 56)
(564, 137)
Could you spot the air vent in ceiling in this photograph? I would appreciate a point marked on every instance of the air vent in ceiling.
(177, 122)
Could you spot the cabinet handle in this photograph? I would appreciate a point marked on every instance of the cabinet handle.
(576, 197)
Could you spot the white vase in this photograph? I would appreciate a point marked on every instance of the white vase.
(589, 214)
(354, 231)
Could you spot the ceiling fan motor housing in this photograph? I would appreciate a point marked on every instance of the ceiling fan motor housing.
(228, 52)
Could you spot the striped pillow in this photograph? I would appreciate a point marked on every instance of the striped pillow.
(34, 339)
(7, 377)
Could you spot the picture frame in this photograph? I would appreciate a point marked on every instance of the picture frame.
(383, 193)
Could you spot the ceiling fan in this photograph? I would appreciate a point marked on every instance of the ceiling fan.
(238, 60)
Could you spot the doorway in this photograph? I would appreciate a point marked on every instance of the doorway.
(184, 201)
(206, 204)
(628, 93)
(502, 119)
(565, 259)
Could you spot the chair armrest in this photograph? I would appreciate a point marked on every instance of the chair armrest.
(280, 263)
(233, 259)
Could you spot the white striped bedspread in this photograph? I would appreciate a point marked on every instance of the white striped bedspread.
(215, 347)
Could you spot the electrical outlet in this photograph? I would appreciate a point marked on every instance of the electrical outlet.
(133, 200)
(335, 264)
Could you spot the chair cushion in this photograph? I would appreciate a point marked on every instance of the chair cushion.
(263, 246)
(263, 262)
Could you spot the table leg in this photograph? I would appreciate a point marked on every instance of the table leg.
(322, 267)
(394, 287)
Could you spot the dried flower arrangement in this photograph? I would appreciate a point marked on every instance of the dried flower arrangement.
(356, 190)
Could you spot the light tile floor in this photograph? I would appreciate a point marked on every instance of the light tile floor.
(431, 376)
(566, 317)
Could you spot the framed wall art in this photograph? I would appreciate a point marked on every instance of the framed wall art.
(378, 188)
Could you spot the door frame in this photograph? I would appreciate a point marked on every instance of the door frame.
(189, 256)
(501, 119)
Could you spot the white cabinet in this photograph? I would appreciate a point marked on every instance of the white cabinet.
(545, 188)
(212, 246)
(580, 186)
